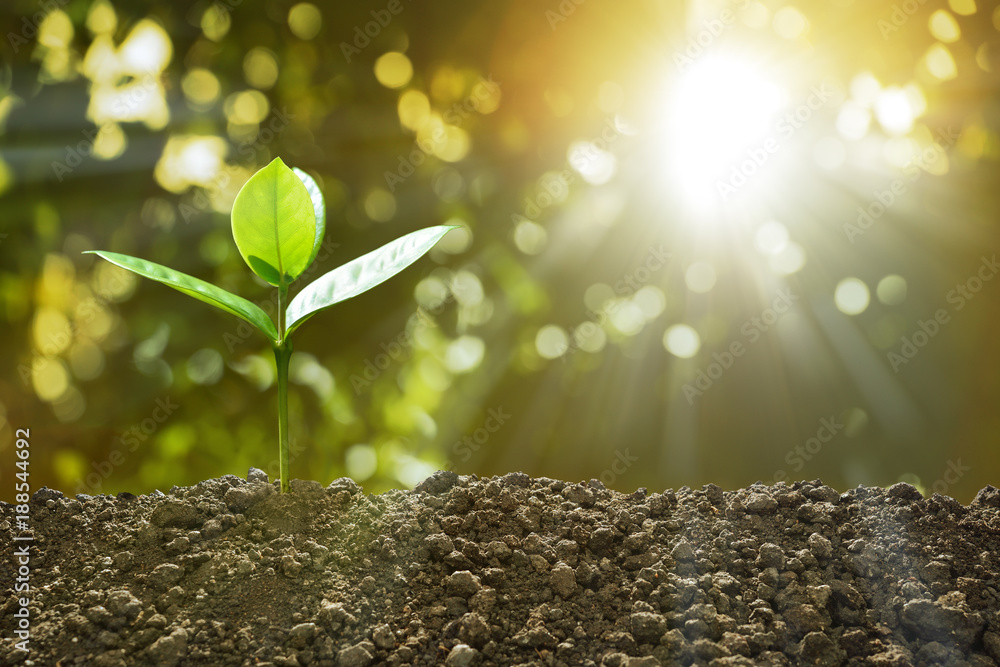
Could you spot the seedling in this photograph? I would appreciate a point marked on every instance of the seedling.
(278, 222)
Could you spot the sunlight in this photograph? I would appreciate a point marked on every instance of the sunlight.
(721, 110)
(190, 160)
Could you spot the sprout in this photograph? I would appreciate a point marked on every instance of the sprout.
(278, 223)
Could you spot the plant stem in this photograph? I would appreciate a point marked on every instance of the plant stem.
(282, 302)
(282, 353)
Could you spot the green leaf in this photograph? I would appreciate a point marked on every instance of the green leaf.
(361, 274)
(196, 288)
(319, 208)
(274, 224)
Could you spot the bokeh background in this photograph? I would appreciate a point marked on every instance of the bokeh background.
(701, 241)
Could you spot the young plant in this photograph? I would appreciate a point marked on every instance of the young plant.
(278, 222)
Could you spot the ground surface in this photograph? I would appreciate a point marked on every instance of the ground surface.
(507, 571)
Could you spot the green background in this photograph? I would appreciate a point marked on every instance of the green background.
(388, 386)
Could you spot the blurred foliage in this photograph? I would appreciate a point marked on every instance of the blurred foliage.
(553, 334)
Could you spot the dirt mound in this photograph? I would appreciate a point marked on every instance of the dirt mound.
(506, 571)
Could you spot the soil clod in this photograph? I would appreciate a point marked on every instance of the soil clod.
(510, 570)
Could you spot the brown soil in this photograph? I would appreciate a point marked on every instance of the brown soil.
(506, 571)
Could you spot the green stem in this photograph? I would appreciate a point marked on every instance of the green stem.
(282, 354)
(282, 302)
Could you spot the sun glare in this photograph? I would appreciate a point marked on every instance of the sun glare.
(720, 111)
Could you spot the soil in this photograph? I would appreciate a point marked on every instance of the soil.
(510, 570)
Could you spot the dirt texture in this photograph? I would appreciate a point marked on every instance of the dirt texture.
(510, 570)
